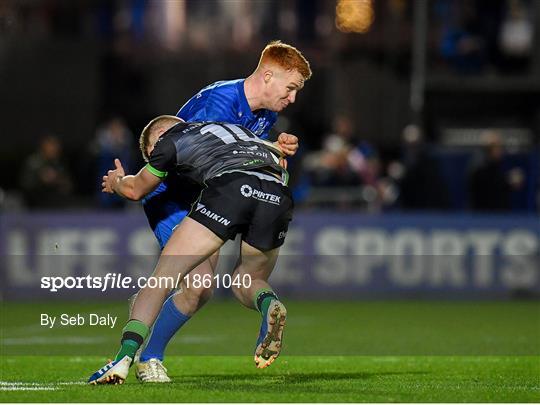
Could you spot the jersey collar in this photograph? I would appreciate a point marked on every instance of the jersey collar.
(245, 110)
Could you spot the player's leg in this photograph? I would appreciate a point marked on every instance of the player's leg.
(266, 233)
(259, 295)
(190, 245)
(175, 312)
(190, 300)
(219, 211)
(257, 268)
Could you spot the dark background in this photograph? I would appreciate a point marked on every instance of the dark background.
(67, 67)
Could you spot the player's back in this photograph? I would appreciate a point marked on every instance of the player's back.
(205, 150)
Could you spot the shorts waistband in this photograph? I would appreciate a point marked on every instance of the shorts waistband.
(260, 175)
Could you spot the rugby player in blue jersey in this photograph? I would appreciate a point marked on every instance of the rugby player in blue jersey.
(253, 103)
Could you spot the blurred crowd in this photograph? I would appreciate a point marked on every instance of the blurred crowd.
(479, 36)
(468, 36)
(346, 173)
(135, 49)
(49, 181)
(351, 173)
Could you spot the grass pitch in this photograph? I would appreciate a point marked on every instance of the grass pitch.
(333, 352)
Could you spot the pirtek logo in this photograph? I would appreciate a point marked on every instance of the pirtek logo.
(205, 211)
(248, 191)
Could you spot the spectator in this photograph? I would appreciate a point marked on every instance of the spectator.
(331, 166)
(45, 182)
(516, 37)
(421, 186)
(462, 45)
(113, 140)
(489, 186)
(346, 163)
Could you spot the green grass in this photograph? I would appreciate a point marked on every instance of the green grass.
(333, 352)
(291, 379)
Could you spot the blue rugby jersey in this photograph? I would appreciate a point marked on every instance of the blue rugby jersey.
(223, 101)
(226, 101)
(168, 204)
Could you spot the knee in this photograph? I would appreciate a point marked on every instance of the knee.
(204, 295)
(197, 297)
(237, 290)
(243, 292)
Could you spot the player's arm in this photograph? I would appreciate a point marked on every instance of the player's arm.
(132, 187)
(135, 187)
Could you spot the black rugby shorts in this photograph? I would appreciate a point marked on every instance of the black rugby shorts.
(257, 208)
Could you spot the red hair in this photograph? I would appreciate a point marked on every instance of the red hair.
(287, 57)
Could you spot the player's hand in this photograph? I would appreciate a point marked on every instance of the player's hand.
(287, 143)
(112, 176)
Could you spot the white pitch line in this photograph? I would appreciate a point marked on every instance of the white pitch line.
(28, 389)
(32, 386)
(197, 339)
(77, 340)
(71, 383)
(56, 340)
(21, 386)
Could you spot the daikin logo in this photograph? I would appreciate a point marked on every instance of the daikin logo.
(248, 191)
(205, 211)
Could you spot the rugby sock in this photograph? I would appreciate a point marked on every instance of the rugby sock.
(170, 319)
(133, 337)
(263, 298)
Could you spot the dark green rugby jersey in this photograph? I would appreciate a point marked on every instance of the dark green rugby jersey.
(201, 151)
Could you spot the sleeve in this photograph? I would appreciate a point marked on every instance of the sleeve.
(163, 158)
(217, 106)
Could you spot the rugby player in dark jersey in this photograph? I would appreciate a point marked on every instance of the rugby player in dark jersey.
(244, 191)
(253, 103)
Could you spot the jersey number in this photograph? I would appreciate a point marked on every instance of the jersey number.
(229, 133)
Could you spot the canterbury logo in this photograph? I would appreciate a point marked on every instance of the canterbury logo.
(205, 211)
